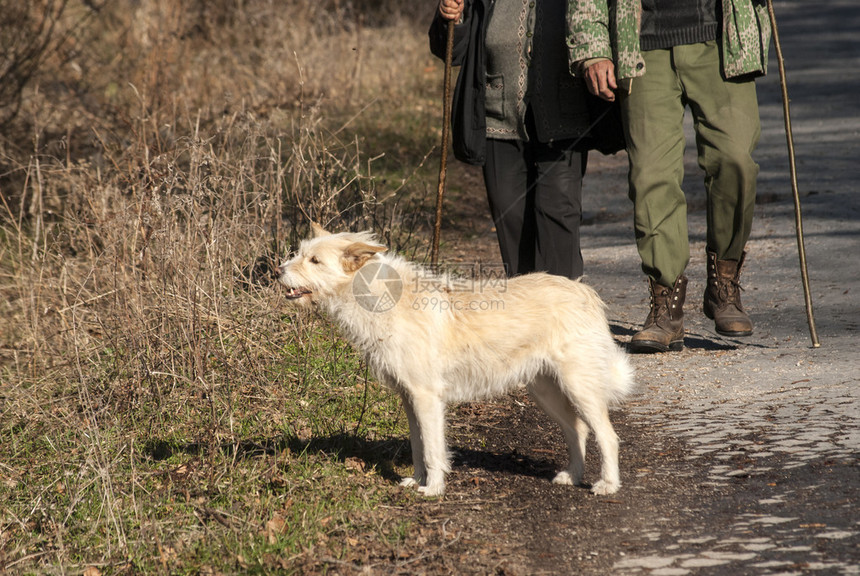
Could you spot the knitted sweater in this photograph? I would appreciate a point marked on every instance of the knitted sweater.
(527, 67)
(668, 23)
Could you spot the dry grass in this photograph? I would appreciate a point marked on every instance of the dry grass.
(160, 409)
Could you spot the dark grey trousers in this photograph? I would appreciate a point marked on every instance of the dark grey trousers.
(535, 195)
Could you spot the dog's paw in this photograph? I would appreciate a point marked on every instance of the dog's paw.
(602, 488)
(564, 478)
(432, 490)
(408, 482)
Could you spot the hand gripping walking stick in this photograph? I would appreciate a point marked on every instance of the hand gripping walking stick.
(793, 170)
(446, 134)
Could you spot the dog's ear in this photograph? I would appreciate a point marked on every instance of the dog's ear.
(318, 231)
(357, 253)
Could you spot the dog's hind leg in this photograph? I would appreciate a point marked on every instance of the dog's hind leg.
(419, 474)
(546, 392)
(430, 419)
(589, 401)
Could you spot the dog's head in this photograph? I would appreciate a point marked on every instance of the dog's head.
(325, 264)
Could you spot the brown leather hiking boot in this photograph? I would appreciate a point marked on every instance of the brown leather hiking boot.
(664, 326)
(723, 297)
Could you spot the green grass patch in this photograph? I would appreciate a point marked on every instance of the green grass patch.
(261, 486)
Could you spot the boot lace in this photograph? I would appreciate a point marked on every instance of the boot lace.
(728, 291)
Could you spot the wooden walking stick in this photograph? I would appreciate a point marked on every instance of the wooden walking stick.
(793, 170)
(446, 135)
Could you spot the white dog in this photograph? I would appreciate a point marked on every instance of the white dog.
(434, 341)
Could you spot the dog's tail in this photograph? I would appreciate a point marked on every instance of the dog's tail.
(621, 380)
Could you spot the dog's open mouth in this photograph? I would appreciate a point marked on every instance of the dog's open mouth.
(296, 293)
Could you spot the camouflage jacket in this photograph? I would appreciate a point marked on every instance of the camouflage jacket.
(610, 29)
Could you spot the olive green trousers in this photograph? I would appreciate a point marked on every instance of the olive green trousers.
(726, 120)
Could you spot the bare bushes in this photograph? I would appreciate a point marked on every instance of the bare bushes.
(159, 275)
(145, 206)
(27, 37)
(128, 70)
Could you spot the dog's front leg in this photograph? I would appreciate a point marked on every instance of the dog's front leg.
(419, 474)
(430, 420)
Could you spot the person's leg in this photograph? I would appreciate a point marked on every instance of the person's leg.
(653, 113)
(506, 177)
(726, 118)
(558, 208)
(727, 124)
